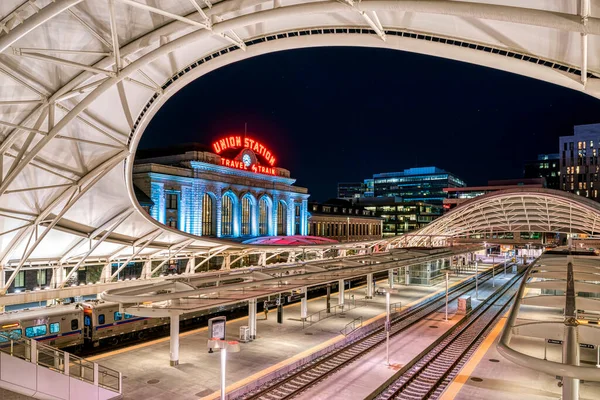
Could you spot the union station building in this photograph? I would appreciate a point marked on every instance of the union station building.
(232, 189)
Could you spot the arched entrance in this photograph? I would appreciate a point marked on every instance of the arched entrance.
(282, 212)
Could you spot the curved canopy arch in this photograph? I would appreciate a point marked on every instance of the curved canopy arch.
(514, 210)
(81, 79)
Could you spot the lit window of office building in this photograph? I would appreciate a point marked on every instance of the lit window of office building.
(546, 166)
(343, 221)
(579, 168)
(425, 184)
(231, 189)
(400, 217)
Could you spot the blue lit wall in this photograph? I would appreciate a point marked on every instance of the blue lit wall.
(190, 192)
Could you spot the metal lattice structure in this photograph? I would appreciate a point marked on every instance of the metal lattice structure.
(515, 210)
(81, 79)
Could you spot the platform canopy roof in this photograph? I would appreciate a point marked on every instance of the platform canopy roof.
(514, 210)
(556, 303)
(81, 79)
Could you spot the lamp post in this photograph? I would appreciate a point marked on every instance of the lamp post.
(387, 327)
(476, 280)
(223, 345)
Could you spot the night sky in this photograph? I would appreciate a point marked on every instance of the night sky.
(341, 114)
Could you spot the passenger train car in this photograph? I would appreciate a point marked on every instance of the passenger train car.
(96, 323)
(91, 323)
(58, 326)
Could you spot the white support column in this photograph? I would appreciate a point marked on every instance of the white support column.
(189, 268)
(341, 293)
(262, 259)
(226, 262)
(252, 318)
(304, 304)
(407, 275)
(147, 270)
(570, 388)
(106, 273)
(174, 340)
(369, 286)
(391, 278)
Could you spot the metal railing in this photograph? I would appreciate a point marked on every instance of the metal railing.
(395, 307)
(334, 310)
(352, 326)
(62, 362)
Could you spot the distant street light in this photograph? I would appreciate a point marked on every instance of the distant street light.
(223, 345)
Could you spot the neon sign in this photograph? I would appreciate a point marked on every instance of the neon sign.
(236, 142)
(259, 169)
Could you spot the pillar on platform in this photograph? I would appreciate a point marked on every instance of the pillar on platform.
(407, 275)
(341, 288)
(391, 278)
(304, 304)
(252, 318)
(174, 340)
(369, 286)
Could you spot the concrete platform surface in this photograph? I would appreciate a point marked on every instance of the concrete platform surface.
(146, 370)
(367, 373)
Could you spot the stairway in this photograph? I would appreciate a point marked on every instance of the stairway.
(33, 369)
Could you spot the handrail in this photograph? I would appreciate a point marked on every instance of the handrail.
(334, 310)
(353, 325)
(62, 362)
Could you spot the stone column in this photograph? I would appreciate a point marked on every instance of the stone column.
(341, 289)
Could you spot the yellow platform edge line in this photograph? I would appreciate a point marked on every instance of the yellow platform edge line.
(465, 373)
(258, 375)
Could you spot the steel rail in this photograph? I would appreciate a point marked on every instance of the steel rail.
(430, 372)
(307, 376)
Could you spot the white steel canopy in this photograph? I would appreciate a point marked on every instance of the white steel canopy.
(514, 210)
(81, 79)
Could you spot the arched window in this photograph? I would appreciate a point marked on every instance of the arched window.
(227, 216)
(297, 220)
(282, 218)
(208, 215)
(264, 210)
(247, 216)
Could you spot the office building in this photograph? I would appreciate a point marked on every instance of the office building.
(400, 217)
(341, 220)
(579, 169)
(546, 166)
(231, 189)
(350, 190)
(424, 184)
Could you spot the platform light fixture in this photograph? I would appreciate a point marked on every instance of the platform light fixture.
(224, 346)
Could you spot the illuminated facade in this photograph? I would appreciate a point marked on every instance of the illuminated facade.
(579, 167)
(424, 184)
(232, 189)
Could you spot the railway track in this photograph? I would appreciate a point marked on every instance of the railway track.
(430, 373)
(308, 375)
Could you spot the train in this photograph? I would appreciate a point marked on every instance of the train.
(91, 323)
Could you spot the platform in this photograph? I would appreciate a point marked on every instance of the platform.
(371, 370)
(146, 370)
(489, 376)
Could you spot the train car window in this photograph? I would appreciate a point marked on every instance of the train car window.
(101, 319)
(127, 316)
(74, 324)
(35, 331)
(118, 316)
(55, 327)
(87, 321)
(14, 334)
